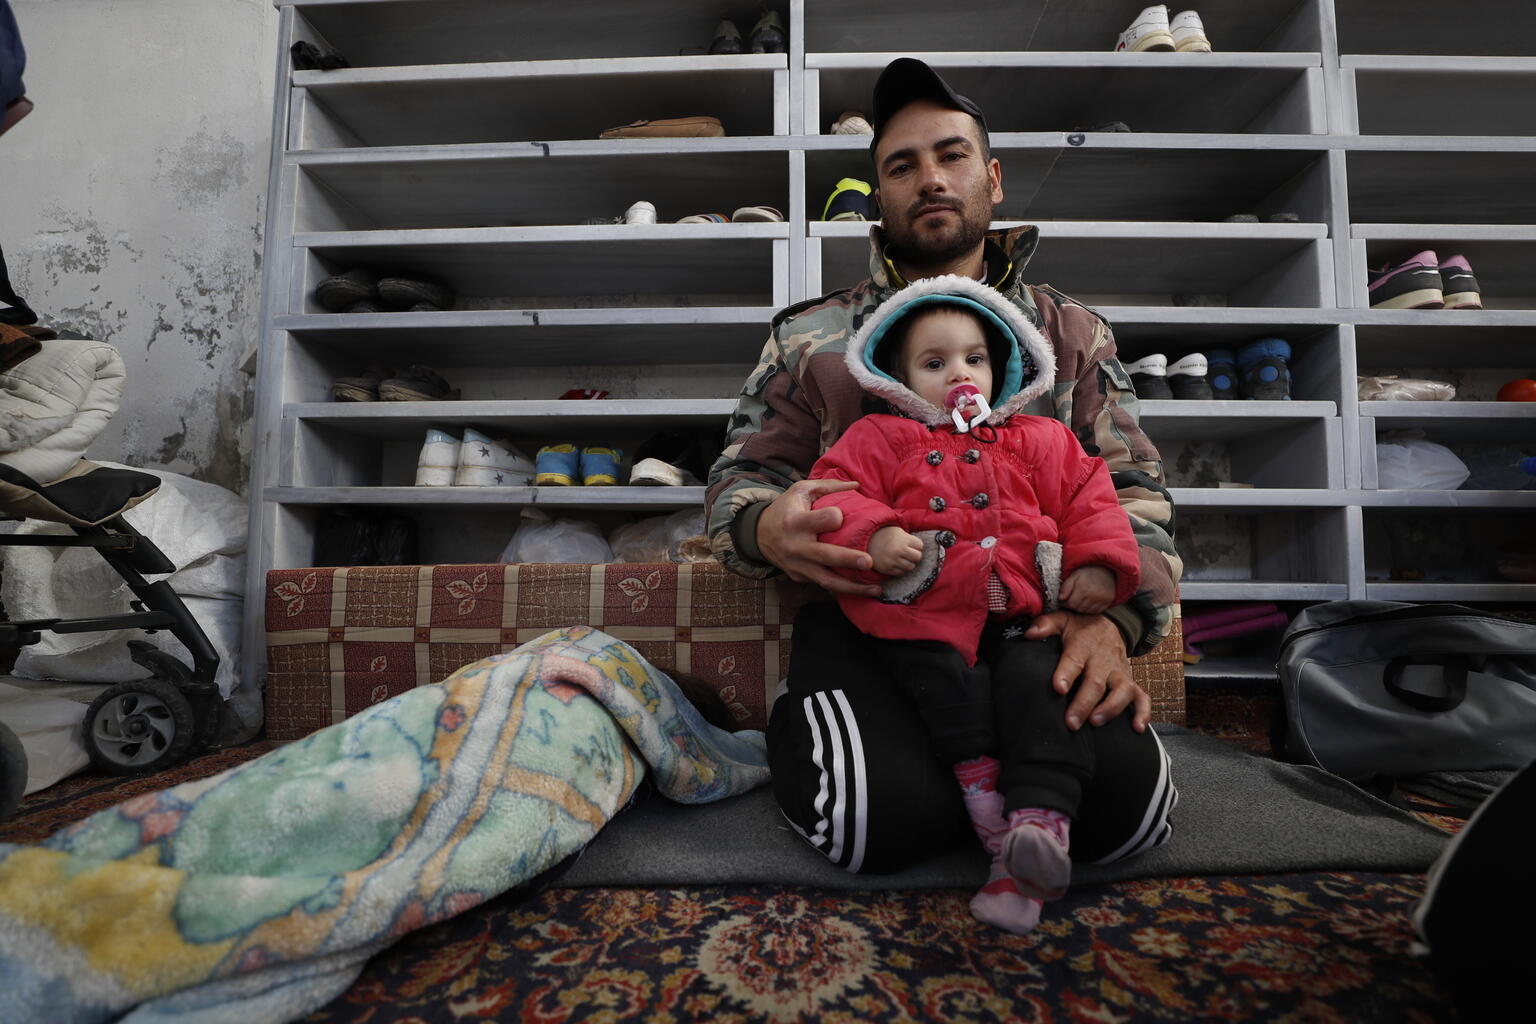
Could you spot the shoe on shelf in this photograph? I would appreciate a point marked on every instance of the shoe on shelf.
(727, 38)
(556, 465)
(1187, 378)
(582, 394)
(1413, 284)
(700, 126)
(671, 458)
(417, 384)
(852, 122)
(768, 35)
(756, 214)
(601, 222)
(485, 461)
(362, 388)
(1221, 374)
(309, 57)
(1264, 372)
(345, 291)
(1459, 285)
(1149, 374)
(656, 473)
(599, 466)
(850, 200)
(640, 213)
(1188, 33)
(1282, 217)
(1149, 31)
(705, 218)
(439, 459)
(414, 292)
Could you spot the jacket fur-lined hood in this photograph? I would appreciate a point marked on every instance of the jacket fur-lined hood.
(1029, 371)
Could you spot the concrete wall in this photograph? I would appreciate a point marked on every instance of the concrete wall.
(132, 208)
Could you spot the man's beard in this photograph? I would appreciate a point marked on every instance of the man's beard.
(933, 249)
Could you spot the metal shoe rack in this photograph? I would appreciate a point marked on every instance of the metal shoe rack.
(463, 143)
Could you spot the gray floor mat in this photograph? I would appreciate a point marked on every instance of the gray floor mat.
(1237, 814)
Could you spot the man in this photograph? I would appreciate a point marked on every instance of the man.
(851, 768)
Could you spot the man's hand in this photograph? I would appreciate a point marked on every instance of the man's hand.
(787, 533)
(1094, 652)
(895, 551)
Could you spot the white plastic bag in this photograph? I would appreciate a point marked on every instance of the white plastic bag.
(1404, 389)
(1416, 465)
(658, 538)
(539, 538)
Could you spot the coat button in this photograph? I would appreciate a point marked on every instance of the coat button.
(937, 504)
(971, 455)
(935, 457)
(980, 500)
(988, 542)
(945, 538)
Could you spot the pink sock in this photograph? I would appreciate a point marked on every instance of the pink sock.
(1000, 904)
(1034, 852)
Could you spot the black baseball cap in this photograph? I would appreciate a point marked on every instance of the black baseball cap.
(906, 79)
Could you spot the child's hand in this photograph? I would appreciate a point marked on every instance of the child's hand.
(894, 551)
(1088, 590)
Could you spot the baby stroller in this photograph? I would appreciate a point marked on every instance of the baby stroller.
(141, 725)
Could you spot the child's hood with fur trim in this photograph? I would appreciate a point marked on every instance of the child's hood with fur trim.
(1029, 372)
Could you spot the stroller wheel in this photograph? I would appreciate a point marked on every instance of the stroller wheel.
(13, 772)
(137, 727)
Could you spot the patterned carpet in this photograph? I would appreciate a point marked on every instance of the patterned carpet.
(1317, 947)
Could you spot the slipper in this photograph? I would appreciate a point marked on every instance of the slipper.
(749, 214)
(705, 218)
(701, 127)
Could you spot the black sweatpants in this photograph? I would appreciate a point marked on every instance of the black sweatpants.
(857, 772)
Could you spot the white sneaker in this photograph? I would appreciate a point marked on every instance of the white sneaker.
(438, 460)
(1192, 365)
(1148, 32)
(640, 213)
(486, 462)
(1155, 365)
(1189, 33)
(655, 473)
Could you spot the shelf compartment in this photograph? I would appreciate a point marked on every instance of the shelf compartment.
(1086, 25)
(1442, 186)
(1292, 552)
(664, 340)
(1112, 264)
(1445, 341)
(1445, 96)
(1466, 428)
(1227, 94)
(1266, 449)
(393, 32)
(1320, 378)
(533, 101)
(536, 268)
(1413, 549)
(436, 189)
(1429, 27)
(1100, 180)
(1503, 257)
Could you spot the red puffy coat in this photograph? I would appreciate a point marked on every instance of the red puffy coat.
(998, 490)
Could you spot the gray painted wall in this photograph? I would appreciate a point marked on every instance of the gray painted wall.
(132, 207)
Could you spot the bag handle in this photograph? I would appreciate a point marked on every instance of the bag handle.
(1453, 677)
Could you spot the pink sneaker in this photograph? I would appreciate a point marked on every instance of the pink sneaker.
(1412, 284)
(1459, 284)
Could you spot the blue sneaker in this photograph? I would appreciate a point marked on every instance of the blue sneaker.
(1221, 371)
(555, 465)
(600, 466)
(1263, 371)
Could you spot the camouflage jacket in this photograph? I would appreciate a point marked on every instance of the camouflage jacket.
(801, 398)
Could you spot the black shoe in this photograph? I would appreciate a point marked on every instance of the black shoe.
(337, 294)
(309, 57)
(1187, 378)
(768, 35)
(413, 291)
(727, 38)
(1150, 375)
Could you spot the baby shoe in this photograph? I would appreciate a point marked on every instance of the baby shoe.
(1263, 370)
(1149, 374)
(439, 459)
(600, 466)
(555, 465)
(1221, 373)
(485, 461)
(1187, 377)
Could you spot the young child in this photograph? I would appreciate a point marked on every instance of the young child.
(975, 516)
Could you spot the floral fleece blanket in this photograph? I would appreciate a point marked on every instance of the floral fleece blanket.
(258, 894)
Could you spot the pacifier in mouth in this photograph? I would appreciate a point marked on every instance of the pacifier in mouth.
(967, 406)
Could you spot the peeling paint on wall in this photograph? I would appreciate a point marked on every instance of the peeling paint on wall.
(206, 167)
